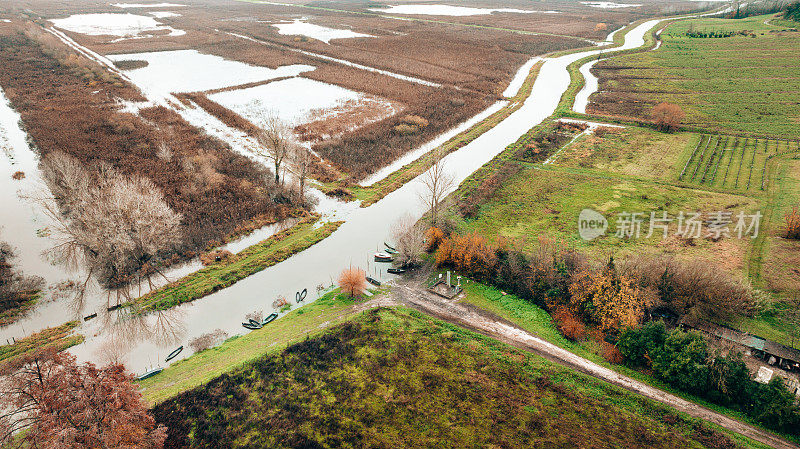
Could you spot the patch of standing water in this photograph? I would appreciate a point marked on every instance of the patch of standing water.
(191, 71)
(164, 14)
(295, 100)
(113, 24)
(447, 10)
(301, 28)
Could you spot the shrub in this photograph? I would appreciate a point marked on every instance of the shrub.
(667, 116)
(18, 175)
(216, 256)
(207, 340)
(569, 325)
(470, 254)
(353, 281)
(638, 344)
(280, 303)
(612, 301)
(433, 238)
(681, 361)
(793, 224)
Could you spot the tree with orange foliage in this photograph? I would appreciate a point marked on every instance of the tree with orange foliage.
(469, 253)
(433, 238)
(51, 402)
(612, 301)
(793, 224)
(353, 281)
(667, 116)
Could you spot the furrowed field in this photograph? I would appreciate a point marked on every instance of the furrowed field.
(745, 84)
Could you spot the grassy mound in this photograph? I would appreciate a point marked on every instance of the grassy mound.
(393, 378)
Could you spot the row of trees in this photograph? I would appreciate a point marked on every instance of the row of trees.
(683, 360)
(610, 296)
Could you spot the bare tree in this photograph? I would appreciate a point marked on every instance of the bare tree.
(276, 140)
(114, 226)
(410, 240)
(436, 182)
(302, 159)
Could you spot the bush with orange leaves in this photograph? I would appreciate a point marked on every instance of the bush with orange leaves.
(568, 324)
(470, 254)
(611, 301)
(353, 281)
(793, 224)
(611, 353)
(433, 238)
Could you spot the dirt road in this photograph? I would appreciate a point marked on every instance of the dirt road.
(408, 293)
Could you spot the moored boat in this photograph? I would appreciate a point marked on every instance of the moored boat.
(89, 317)
(174, 354)
(150, 373)
(373, 281)
(396, 270)
(251, 326)
(383, 257)
(390, 247)
(269, 319)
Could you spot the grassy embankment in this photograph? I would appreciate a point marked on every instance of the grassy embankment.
(251, 260)
(58, 338)
(393, 377)
(745, 84)
(204, 366)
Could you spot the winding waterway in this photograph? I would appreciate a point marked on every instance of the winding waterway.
(362, 234)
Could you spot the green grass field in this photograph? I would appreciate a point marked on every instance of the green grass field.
(396, 378)
(744, 84)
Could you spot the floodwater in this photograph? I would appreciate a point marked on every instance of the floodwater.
(191, 71)
(113, 24)
(353, 244)
(325, 34)
(363, 233)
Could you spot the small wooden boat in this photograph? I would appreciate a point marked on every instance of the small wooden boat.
(396, 270)
(383, 257)
(390, 248)
(373, 281)
(89, 317)
(254, 322)
(303, 294)
(150, 373)
(174, 354)
(113, 308)
(269, 319)
(251, 326)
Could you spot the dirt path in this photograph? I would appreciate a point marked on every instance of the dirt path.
(409, 294)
